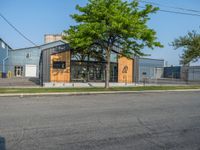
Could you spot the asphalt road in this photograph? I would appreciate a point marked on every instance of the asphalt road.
(150, 121)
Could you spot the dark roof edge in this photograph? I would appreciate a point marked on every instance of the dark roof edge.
(151, 58)
(5, 43)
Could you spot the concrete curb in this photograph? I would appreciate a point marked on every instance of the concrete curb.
(94, 93)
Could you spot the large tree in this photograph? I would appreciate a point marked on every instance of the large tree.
(109, 23)
(191, 47)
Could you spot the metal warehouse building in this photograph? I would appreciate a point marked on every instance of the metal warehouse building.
(185, 73)
(25, 62)
(149, 68)
(56, 62)
(194, 73)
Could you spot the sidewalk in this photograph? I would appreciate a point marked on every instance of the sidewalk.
(97, 84)
(82, 85)
(19, 82)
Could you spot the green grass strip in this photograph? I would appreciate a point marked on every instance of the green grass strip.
(57, 90)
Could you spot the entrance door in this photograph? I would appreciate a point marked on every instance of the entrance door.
(18, 71)
(113, 72)
(96, 73)
(91, 73)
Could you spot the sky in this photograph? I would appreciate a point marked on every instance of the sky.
(34, 18)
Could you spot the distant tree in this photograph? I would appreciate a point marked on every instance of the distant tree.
(191, 47)
(109, 23)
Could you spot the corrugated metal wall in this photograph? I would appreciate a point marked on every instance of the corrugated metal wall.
(194, 73)
(45, 61)
(4, 48)
(147, 67)
(20, 58)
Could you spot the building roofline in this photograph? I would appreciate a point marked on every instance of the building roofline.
(18, 49)
(194, 66)
(172, 66)
(150, 58)
(64, 42)
(183, 66)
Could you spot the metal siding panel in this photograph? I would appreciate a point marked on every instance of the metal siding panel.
(46, 59)
(194, 73)
(148, 65)
(18, 57)
(46, 64)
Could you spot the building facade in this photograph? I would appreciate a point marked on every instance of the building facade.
(55, 61)
(61, 64)
(24, 62)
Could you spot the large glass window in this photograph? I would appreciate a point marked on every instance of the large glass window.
(59, 65)
(96, 54)
(96, 72)
(91, 67)
(79, 57)
(92, 71)
(113, 57)
(79, 72)
(113, 72)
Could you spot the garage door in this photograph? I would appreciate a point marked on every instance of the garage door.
(30, 70)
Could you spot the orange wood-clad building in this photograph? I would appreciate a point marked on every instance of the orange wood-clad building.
(61, 64)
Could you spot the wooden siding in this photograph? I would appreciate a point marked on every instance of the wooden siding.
(125, 70)
(60, 75)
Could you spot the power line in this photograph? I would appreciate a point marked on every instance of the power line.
(176, 12)
(181, 13)
(173, 7)
(19, 32)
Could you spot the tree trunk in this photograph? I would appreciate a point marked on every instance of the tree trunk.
(107, 68)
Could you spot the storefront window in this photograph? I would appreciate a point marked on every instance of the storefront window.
(97, 57)
(59, 65)
(96, 72)
(92, 68)
(79, 57)
(113, 57)
(92, 72)
(113, 72)
(78, 72)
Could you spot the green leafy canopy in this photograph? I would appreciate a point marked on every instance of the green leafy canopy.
(191, 47)
(109, 23)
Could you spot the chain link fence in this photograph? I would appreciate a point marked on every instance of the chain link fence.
(17, 75)
(170, 75)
